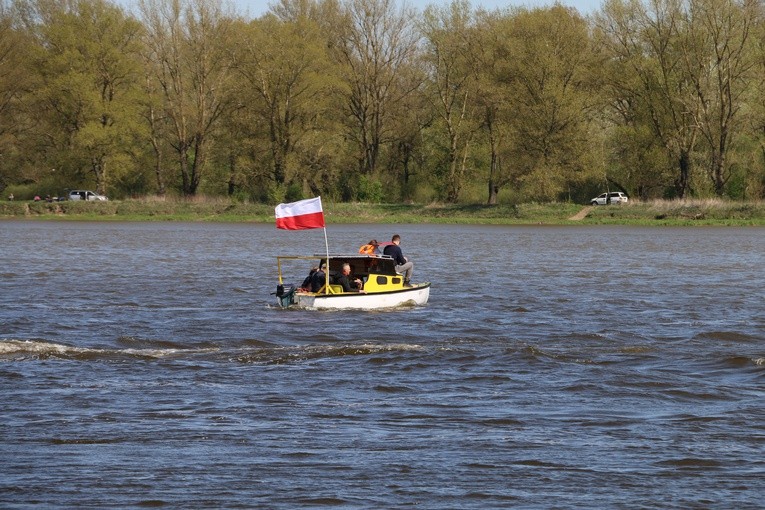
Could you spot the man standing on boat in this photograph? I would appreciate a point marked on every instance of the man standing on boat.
(403, 265)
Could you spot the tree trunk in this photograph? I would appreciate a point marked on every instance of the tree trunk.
(718, 167)
(493, 192)
(452, 182)
(157, 158)
(158, 172)
(405, 150)
(186, 171)
(197, 163)
(231, 175)
(276, 149)
(185, 182)
(493, 167)
(681, 183)
(718, 176)
(97, 165)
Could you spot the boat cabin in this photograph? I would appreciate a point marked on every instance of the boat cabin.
(378, 272)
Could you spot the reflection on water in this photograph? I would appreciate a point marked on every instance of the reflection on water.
(554, 367)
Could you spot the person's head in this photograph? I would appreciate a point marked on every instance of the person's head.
(323, 266)
(346, 269)
(374, 242)
(396, 239)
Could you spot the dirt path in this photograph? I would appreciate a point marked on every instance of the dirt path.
(581, 214)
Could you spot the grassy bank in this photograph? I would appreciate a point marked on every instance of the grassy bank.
(688, 212)
(680, 213)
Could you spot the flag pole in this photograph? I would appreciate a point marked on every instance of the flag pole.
(326, 275)
(326, 245)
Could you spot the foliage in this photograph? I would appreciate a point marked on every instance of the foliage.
(277, 193)
(370, 100)
(370, 190)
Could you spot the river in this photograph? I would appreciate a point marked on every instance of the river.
(146, 365)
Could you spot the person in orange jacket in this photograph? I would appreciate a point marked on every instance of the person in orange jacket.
(371, 248)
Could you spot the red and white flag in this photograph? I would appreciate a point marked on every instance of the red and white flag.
(300, 215)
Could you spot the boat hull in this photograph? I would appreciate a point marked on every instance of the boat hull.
(409, 296)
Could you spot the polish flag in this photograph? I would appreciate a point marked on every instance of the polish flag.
(300, 215)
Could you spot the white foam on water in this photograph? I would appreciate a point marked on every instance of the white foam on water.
(40, 348)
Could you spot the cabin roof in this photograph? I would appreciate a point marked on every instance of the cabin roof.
(353, 256)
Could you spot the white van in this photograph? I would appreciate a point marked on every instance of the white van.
(610, 198)
(78, 194)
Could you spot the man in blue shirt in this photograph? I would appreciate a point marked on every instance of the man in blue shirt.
(403, 265)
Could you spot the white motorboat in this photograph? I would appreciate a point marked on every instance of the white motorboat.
(382, 286)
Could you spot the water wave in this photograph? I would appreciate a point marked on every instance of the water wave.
(741, 361)
(727, 336)
(40, 349)
(250, 351)
(294, 354)
(690, 463)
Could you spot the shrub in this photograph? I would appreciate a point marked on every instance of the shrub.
(370, 190)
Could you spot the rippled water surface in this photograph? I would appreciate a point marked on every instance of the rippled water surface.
(144, 364)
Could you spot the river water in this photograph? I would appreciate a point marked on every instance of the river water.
(145, 365)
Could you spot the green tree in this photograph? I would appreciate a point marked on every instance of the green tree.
(753, 143)
(489, 51)
(550, 84)
(452, 89)
(86, 61)
(286, 72)
(407, 163)
(15, 83)
(156, 121)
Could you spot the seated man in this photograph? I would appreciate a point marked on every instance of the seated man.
(306, 285)
(319, 278)
(345, 281)
(403, 264)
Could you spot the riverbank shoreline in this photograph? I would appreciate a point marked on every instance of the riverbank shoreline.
(708, 212)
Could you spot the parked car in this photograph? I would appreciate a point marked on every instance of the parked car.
(79, 194)
(610, 198)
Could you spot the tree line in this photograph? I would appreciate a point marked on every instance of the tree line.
(374, 101)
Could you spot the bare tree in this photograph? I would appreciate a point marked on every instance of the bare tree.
(188, 40)
(719, 59)
(644, 43)
(375, 42)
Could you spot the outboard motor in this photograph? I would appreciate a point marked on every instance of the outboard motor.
(285, 295)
